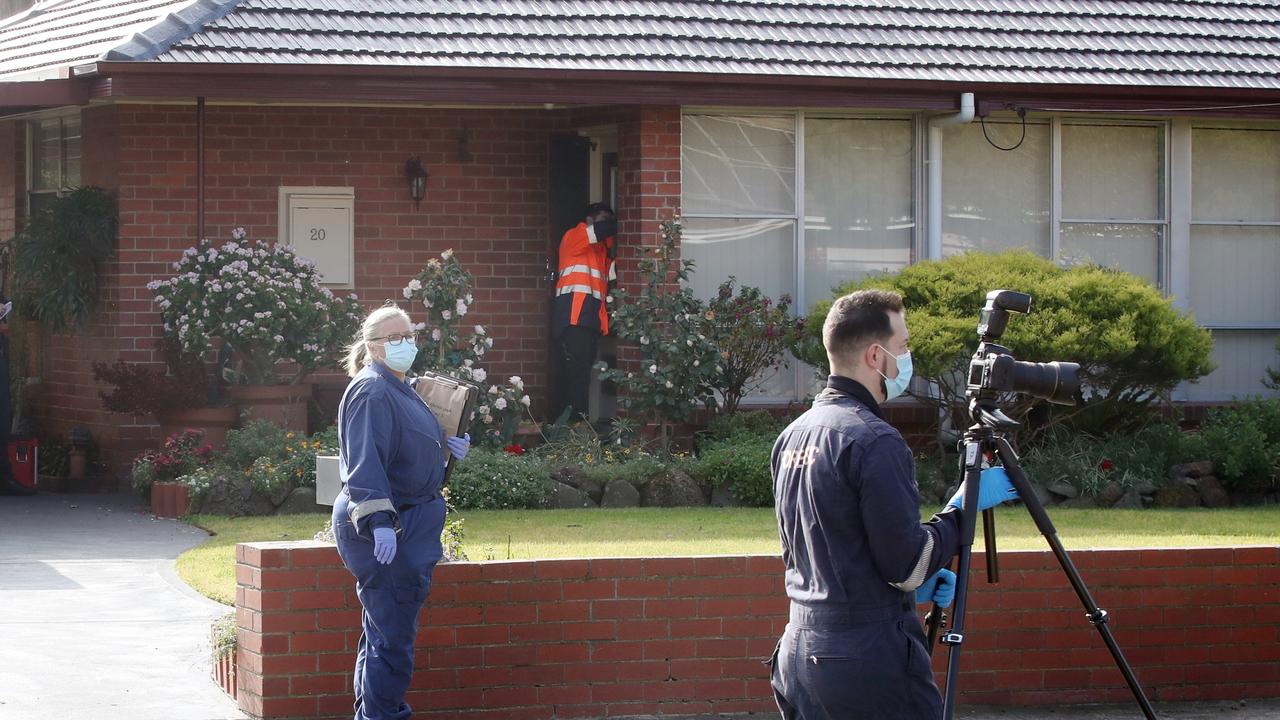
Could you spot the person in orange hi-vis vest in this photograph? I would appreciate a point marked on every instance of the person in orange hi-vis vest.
(579, 312)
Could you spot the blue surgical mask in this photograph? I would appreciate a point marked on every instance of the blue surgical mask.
(893, 387)
(400, 355)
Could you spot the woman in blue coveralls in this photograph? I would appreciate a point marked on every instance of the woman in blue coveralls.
(388, 517)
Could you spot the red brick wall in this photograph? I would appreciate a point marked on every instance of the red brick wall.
(10, 179)
(679, 636)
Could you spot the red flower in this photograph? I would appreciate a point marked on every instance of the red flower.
(1106, 465)
(514, 449)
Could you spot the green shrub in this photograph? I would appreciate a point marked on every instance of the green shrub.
(1132, 345)
(741, 463)
(1089, 463)
(757, 422)
(259, 438)
(637, 469)
(1244, 442)
(497, 480)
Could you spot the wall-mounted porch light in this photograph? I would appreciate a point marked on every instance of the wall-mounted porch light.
(417, 177)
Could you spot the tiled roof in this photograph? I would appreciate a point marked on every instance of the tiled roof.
(1197, 43)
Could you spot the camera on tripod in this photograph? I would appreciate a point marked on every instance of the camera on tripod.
(994, 370)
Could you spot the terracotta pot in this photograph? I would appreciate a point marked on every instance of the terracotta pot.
(170, 500)
(284, 405)
(213, 421)
(77, 461)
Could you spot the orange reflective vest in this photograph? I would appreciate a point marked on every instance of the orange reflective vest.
(585, 272)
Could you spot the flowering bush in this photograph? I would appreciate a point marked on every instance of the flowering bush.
(680, 367)
(182, 453)
(263, 300)
(457, 347)
(272, 460)
(752, 334)
(496, 480)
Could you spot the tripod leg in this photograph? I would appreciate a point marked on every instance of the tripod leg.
(954, 637)
(1096, 615)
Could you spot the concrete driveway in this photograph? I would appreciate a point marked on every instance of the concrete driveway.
(93, 621)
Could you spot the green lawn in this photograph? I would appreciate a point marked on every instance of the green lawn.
(519, 534)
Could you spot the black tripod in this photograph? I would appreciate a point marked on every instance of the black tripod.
(985, 437)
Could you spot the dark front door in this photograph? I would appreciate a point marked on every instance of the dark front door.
(568, 192)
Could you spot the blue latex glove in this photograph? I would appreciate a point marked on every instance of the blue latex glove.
(459, 446)
(994, 488)
(384, 544)
(941, 588)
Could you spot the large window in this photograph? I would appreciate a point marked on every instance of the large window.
(53, 152)
(1235, 253)
(996, 199)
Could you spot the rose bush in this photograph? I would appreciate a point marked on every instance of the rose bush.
(263, 300)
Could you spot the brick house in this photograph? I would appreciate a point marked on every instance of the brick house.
(805, 143)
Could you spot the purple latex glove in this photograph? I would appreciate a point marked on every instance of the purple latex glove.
(384, 545)
(459, 446)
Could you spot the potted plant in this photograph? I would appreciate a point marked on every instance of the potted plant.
(267, 312)
(179, 394)
(156, 472)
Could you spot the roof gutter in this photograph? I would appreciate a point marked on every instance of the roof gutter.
(933, 162)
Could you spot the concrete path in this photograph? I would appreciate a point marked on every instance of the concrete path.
(93, 621)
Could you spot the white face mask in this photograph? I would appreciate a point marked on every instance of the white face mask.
(893, 387)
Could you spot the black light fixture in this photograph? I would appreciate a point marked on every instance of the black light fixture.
(417, 176)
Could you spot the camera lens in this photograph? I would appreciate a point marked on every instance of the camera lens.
(1057, 382)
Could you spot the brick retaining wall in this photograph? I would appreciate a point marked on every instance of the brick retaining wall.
(678, 636)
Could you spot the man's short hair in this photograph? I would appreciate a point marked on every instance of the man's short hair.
(598, 207)
(859, 319)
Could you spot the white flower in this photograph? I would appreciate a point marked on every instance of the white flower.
(689, 343)
(493, 389)
(418, 327)
(155, 284)
(644, 339)
(461, 308)
(696, 363)
(488, 342)
(500, 403)
(483, 409)
(238, 234)
(407, 293)
(480, 374)
(525, 401)
(435, 334)
(165, 304)
(479, 329)
(446, 314)
(426, 302)
(415, 285)
(446, 254)
(516, 382)
(278, 338)
(653, 369)
(669, 385)
(719, 369)
(470, 299)
(468, 363)
(487, 419)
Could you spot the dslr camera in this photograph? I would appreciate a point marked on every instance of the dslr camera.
(993, 369)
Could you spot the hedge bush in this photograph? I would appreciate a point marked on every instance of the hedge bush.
(1244, 442)
(739, 462)
(496, 480)
(1132, 345)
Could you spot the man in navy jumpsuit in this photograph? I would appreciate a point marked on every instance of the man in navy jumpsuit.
(388, 517)
(857, 556)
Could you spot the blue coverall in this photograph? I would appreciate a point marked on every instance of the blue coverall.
(855, 550)
(392, 464)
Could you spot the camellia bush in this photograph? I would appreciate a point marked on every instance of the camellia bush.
(680, 366)
(753, 334)
(1133, 346)
(450, 344)
(264, 301)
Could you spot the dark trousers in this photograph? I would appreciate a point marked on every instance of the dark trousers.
(871, 671)
(575, 354)
(391, 595)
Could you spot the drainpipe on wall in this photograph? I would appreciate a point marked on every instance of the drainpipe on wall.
(934, 161)
(199, 170)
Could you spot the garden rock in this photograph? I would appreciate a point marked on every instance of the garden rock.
(723, 497)
(574, 477)
(1110, 494)
(301, 501)
(1042, 494)
(1177, 495)
(1131, 500)
(1064, 489)
(1084, 501)
(1212, 493)
(1193, 470)
(1145, 487)
(673, 489)
(620, 494)
(566, 497)
(233, 495)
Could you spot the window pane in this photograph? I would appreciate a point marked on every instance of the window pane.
(1235, 174)
(857, 200)
(1243, 357)
(1111, 172)
(992, 199)
(1132, 248)
(757, 252)
(71, 151)
(738, 165)
(46, 154)
(1233, 274)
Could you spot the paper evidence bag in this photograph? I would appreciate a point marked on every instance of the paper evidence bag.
(452, 401)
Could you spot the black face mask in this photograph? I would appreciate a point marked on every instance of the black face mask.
(605, 227)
